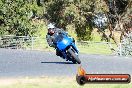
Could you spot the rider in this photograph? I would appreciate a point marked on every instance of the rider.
(52, 30)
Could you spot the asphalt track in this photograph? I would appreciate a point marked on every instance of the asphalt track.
(19, 63)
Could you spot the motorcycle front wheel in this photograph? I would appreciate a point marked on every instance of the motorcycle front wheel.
(74, 56)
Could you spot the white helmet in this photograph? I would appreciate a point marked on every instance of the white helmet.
(51, 26)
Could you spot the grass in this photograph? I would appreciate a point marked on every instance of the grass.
(53, 82)
(95, 48)
(91, 48)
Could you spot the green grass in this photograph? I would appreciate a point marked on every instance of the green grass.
(56, 82)
(91, 48)
(95, 48)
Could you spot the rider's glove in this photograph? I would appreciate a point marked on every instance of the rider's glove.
(52, 45)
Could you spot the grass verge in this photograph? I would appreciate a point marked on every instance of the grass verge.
(53, 82)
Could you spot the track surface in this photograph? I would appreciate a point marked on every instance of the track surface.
(20, 63)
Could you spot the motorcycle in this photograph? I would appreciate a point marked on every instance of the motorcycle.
(67, 47)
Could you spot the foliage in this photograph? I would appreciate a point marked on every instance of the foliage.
(73, 12)
(16, 15)
(126, 46)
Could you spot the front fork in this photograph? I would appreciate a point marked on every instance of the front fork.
(65, 55)
(69, 57)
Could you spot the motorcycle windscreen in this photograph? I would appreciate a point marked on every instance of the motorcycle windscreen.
(64, 43)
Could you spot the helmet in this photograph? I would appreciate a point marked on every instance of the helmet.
(51, 30)
(51, 26)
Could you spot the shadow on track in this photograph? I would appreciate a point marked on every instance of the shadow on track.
(58, 62)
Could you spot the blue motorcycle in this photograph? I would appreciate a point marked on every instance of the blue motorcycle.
(67, 47)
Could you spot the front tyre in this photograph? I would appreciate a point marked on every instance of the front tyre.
(81, 80)
(73, 56)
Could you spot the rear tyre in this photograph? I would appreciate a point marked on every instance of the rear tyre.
(74, 57)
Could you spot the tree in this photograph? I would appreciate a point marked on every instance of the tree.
(118, 15)
(73, 12)
(15, 17)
